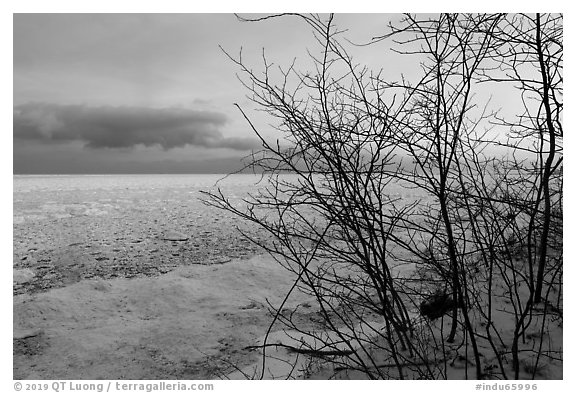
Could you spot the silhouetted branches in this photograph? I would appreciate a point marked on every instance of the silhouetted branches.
(482, 228)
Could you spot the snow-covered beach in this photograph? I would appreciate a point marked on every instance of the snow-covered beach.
(132, 277)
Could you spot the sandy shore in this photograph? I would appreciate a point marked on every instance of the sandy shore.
(195, 322)
(190, 323)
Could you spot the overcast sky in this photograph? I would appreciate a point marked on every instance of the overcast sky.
(101, 93)
(154, 93)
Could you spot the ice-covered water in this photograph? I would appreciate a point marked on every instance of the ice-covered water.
(71, 227)
(48, 196)
(108, 226)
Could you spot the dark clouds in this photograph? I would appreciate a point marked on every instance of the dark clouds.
(124, 127)
(101, 74)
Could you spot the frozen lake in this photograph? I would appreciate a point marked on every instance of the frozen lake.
(110, 226)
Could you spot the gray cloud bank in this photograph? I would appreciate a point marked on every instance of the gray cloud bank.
(124, 127)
